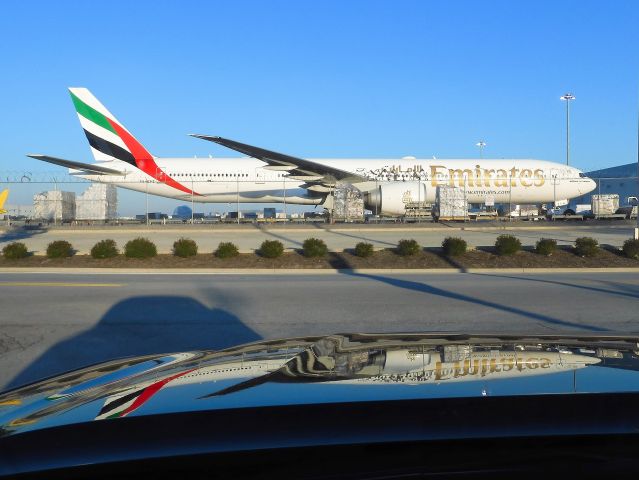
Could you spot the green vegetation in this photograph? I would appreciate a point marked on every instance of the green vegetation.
(226, 250)
(454, 246)
(184, 247)
(271, 249)
(631, 248)
(314, 247)
(15, 250)
(586, 247)
(546, 246)
(140, 248)
(59, 249)
(507, 245)
(408, 247)
(364, 250)
(105, 249)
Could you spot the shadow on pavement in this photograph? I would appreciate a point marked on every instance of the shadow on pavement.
(140, 326)
(13, 234)
(518, 312)
(632, 293)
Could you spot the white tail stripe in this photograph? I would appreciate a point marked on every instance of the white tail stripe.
(101, 157)
(101, 132)
(87, 97)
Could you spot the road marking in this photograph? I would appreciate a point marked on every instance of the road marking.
(59, 284)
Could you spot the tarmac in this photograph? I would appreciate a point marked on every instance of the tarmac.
(57, 320)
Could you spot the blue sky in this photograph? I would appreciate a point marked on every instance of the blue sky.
(326, 78)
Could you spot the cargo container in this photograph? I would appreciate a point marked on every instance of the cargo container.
(54, 205)
(451, 203)
(606, 204)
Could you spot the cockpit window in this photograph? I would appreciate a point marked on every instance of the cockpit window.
(582, 175)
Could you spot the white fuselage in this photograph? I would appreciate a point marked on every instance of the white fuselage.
(246, 180)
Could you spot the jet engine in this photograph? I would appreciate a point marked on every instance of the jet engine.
(391, 198)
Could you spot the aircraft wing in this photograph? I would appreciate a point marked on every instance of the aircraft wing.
(298, 168)
(87, 167)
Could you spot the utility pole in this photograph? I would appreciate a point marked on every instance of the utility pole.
(481, 144)
(568, 97)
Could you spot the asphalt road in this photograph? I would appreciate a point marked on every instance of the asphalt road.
(54, 322)
(337, 237)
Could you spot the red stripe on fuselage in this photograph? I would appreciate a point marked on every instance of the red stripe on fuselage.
(149, 391)
(145, 161)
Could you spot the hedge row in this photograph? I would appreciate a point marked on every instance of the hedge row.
(311, 248)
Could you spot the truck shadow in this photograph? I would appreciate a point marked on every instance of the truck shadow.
(140, 326)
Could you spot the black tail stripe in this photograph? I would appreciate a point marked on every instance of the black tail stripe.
(109, 148)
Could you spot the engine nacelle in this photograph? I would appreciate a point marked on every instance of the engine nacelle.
(391, 198)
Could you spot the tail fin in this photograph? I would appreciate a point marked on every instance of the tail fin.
(108, 138)
(3, 198)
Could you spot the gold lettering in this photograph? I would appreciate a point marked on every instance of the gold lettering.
(507, 364)
(544, 363)
(487, 176)
(539, 176)
(493, 366)
(484, 366)
(461, 180)
(513, 180)
(501, 181)
(524, 176)
(477, 176)
(434, 173)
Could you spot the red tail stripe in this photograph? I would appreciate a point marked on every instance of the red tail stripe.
(145, 161)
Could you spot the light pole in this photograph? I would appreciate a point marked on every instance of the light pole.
(481, 144)
(568, 97)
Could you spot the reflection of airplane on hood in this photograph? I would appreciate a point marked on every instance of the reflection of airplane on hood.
(414, 367)
(132, 398)
(3, 198)
(265, 176)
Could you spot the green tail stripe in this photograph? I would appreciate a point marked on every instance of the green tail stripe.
(91, 114)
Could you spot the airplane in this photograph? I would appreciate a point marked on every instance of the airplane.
(3, 198)
(265, 176)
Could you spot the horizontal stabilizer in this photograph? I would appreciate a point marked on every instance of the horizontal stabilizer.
(87, 167)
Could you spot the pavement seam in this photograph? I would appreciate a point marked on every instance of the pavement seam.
(303, 271)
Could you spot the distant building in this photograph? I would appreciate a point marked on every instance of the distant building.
(98, 202)
(54, 205)
(621, 180)
(182, 211)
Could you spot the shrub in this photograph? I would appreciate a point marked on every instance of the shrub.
(226, 250)
(586, 247)
(59, 249)
(105, 249)
(507, 245)
(184, 247)
(314, 247)
(631, 248)
(15, 250)
(271, 249)
(364, 250)
(454, 246)
(140, 248)
(546, 246)
(408, 247)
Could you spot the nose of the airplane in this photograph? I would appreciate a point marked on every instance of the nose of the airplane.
(586, 187)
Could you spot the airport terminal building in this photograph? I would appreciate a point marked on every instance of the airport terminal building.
(621, 180)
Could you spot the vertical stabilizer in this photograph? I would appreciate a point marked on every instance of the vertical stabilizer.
(3, 198)
(108, 138)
